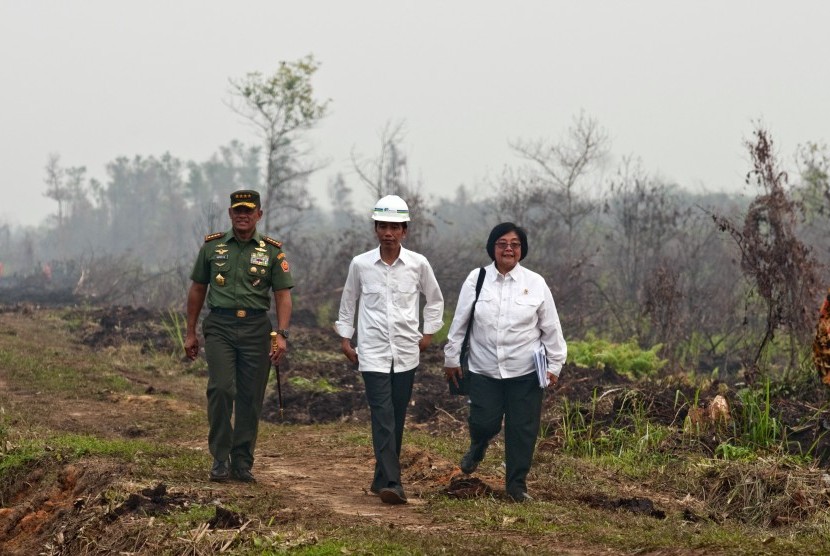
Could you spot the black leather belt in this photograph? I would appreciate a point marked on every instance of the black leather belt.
(239, 313)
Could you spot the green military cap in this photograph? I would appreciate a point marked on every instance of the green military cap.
(245, 198)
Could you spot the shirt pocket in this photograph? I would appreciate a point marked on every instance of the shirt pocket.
(259, 277)
(219, 267)
(406, 294)
(486, 309)
(374, 296)
(525, 309)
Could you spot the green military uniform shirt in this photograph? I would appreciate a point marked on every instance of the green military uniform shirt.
(241, 276)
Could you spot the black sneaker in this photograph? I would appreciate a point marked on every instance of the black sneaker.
(392, 495)
(470, 460)
(220, 471)
(243, 475)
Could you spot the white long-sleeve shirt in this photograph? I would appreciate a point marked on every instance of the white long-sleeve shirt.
(515, 314)
(388, 296)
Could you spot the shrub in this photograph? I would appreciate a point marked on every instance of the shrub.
(626, 358)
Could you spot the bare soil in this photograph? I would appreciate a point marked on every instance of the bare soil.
(308, 478)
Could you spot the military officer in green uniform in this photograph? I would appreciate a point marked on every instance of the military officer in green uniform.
(236, 271)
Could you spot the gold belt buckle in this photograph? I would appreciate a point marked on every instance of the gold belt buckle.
(240, 313)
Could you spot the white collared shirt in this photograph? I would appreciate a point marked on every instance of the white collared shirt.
(388, 296)
(515, 315)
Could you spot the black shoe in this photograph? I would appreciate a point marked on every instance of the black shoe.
(219, 471)
(392, 495)
(520, 496)
(243, 475)
(470, 460)
(374, 490)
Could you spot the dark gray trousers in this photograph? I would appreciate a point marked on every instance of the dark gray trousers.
(519, 402)
(388, 395)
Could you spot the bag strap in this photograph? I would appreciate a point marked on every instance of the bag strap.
(479, 283)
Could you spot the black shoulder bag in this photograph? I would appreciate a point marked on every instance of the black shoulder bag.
(464, 381)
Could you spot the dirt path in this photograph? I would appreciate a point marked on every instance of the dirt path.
(337, 482)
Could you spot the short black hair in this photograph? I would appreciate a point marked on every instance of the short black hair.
(500, 230)
(403, 224)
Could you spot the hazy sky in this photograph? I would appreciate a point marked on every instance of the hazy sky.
(678, 84)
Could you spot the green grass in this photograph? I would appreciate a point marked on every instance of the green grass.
(47, 373)
(447, 447)
(756, 426)
(190, 517)
(316, 356)
(631, 444)
(320, 385)
(174, 325)
(73, 447)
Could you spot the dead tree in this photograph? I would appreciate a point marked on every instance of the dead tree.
(773, 258)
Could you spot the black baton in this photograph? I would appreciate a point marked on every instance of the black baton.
(277, 369)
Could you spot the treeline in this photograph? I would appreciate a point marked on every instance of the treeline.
(720, 281)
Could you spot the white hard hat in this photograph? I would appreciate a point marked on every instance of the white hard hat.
(391, 209)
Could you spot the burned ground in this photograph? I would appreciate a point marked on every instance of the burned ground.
(318, 385)
(70, 507)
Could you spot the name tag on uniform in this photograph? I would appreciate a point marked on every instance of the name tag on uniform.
(220, 257)
(260, 259)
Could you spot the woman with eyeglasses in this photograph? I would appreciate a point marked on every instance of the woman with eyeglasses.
(515, 321)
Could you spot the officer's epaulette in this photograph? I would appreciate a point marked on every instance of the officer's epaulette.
(211, 237)
(272, 241)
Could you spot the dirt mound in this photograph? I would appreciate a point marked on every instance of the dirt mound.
(48, 503)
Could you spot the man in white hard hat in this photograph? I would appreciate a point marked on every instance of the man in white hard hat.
(385, 284)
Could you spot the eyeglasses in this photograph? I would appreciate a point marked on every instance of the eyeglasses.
(514, 245)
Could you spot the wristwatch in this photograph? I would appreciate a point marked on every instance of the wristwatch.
(283, 333)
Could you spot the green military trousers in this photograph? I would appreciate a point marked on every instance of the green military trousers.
(238, 367)
(517, 400)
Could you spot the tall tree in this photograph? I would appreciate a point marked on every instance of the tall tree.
(282, 106)
(386, 173)
(55, 187)
(342, 207)
(559, 168)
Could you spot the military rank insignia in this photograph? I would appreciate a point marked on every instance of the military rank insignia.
(271, 241)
